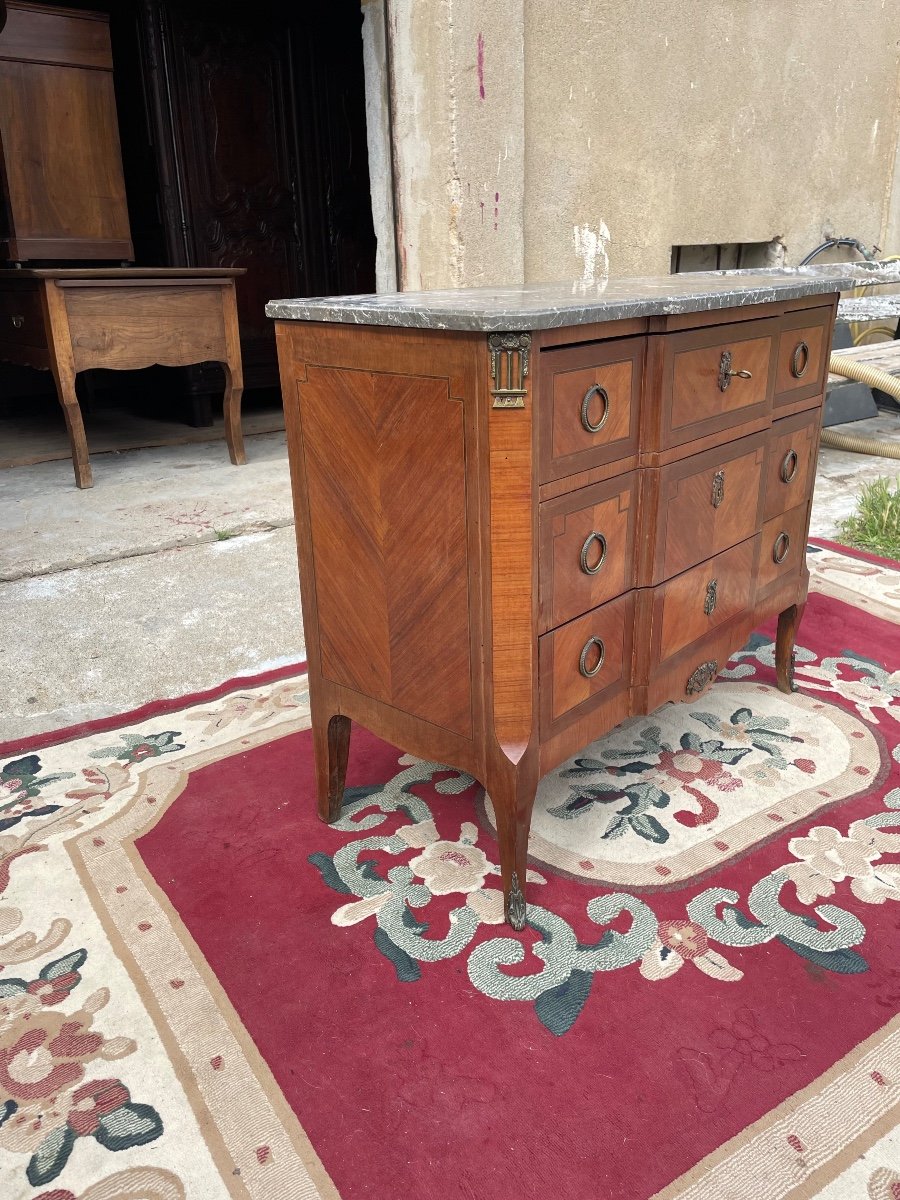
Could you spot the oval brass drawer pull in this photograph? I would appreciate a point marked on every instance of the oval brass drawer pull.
(603, 394)
(784, 541)
(585, 550)
(789, 466)
(590, 672)
(17, 321)
(800, 360)
(726, 374)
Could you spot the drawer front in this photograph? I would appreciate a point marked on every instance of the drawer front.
(783, 547)
(791, 452)
(804, 347)
(587, 548)
(21, 317)
(585, 662)
(715, 379)
(687, 675)
(589, 398)
(708, 503)
(692, 605)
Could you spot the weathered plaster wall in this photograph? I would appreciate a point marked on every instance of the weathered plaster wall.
(458, 140)
(706, 121)
(533, 138)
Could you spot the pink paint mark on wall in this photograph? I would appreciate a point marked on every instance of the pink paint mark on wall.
(481, 65)
(496, 210)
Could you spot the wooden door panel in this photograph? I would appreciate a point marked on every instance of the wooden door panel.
(385, 465)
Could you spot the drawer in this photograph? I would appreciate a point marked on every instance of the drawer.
(706, 504)
(687, 675)
(21, 316)
(589, 398)
(586, 548)
(783, 547)
(791, 453)
(585, 662)
(804, 347)
(715, 379)
(693, 604)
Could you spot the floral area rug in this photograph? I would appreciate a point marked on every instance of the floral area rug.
(206, 993)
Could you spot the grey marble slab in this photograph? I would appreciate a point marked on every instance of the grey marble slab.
(552, 305)
(869, 308)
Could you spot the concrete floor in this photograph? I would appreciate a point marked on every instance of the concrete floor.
(177, 571)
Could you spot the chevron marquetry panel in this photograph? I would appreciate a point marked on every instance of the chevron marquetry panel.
(385, 470)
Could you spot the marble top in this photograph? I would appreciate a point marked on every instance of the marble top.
(870, 308)
(551, 305)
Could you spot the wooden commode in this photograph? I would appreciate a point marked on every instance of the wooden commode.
(524, 515)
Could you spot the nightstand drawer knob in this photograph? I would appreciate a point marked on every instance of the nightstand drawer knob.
(800, 360)
(726, 374)
(586, 549)
(781, 547)
(18, 321)
(590, 672)
(789, 466)
(602, 394)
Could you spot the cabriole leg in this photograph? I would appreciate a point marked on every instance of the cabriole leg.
(788, 621)
(331, 739)
(512, 795)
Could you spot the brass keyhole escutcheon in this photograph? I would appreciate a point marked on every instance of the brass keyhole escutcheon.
(712, 598)
(726, 374)
(586, 671)
(718, 488)
(602, 394)
(800, 360)
(789, 466)
(586, 549)
(781, 547)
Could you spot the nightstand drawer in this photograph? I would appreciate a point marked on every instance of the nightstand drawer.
(791, 452)
(590, 401)
(585, 662)
(783, 546)
(803, 351)
(706, 504)
(715, 379)
(586, 548)
(692, 605)
(21, 317)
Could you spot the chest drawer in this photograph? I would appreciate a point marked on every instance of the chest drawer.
(590, 401)
(585, 662)
(791, 452)
(586, 548)
(783, 546)
(804, 346)
(693, 604)
(21, 317)
(706, 504)
(715, 379)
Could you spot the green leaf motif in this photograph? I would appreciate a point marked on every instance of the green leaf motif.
(407, 968)
(840, 962)
(62, 966)
(326, 868)
(51, 1156)
(559, 1007)
(127, 1126)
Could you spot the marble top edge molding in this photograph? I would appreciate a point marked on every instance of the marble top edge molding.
(553, 305)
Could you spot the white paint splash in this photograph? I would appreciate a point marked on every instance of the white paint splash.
(591, 247)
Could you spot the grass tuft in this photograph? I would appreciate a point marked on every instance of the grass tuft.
(875, 525)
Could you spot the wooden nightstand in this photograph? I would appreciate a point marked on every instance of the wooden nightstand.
(67, 321)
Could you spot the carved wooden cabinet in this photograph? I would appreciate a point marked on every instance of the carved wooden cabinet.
(510, 541)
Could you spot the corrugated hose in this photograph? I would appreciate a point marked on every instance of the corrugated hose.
(842, 364)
